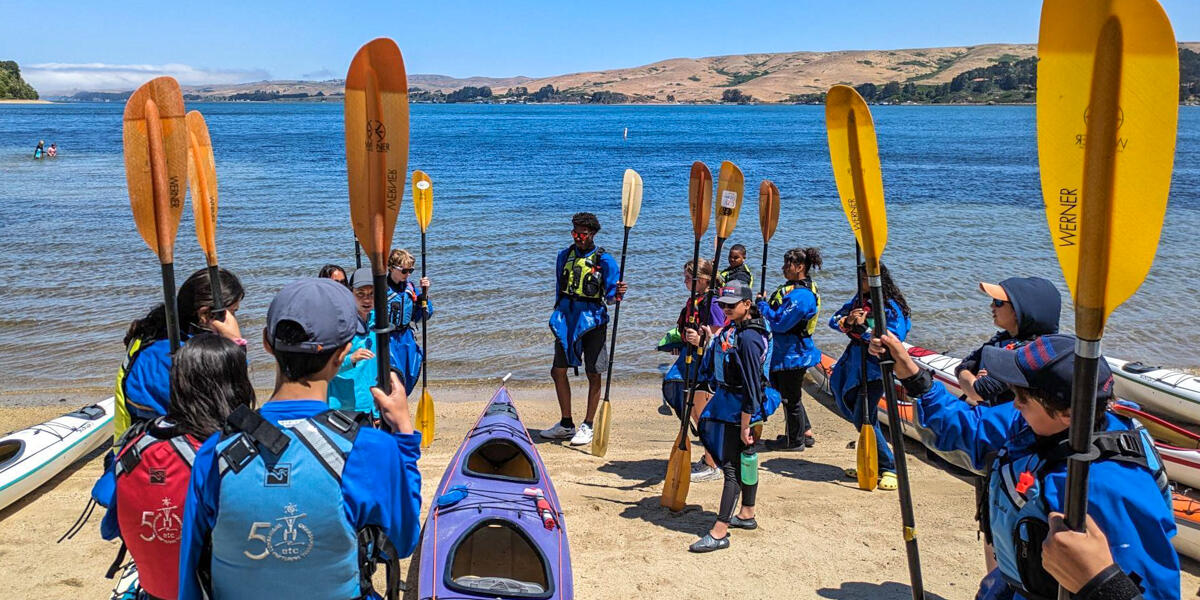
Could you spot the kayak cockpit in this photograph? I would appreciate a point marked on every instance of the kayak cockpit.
(499, 458)
(10, 452)
(497, 557)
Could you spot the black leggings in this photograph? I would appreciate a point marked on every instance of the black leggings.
(731, 467)
(790, 385)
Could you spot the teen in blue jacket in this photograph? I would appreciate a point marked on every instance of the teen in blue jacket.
(408, 306)
(586, 279)
(791, 311)
(854, 319)
(1024, 446)
(296, 497)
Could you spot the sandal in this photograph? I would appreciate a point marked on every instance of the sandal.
(851, 472)
(887, 481)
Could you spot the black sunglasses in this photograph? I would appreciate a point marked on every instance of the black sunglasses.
(405, 271)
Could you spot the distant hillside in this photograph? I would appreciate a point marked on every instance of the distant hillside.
(968, 74)
(12, 87)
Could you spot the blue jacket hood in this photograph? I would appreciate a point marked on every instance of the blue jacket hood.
(1037, 304)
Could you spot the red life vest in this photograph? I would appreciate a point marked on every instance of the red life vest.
(152, 481)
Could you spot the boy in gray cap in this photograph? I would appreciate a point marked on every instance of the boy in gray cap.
(298, 500)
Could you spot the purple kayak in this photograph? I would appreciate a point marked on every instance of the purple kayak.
(495, 529)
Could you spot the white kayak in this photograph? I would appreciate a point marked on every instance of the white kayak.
(31, 456)
(1164, 392)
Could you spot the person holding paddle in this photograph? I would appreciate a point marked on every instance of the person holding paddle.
(407, 305)
(1024, 446)
(735, 364)
(142, 388)
(296, 500)
(587, 279)
(855, 321)
(791, 311)
(351, 386)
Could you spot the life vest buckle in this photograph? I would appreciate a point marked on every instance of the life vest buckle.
(239, 453)
(340, 421)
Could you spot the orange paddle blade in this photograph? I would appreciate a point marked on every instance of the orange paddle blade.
(1107, 116)
(155, 140)
(422, 198)
(768, 208)
(731, 187)
(679, 474)
(376, 109)
(854, 153)
(202, 180)
(700, 197)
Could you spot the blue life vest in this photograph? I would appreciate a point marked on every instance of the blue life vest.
(401, 306)
(282, 529)
(1015, 513)
(725, 404)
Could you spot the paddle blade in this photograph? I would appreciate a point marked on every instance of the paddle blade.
(202, 181)
(855, 157)
(1107, 112)
(731, 187)
(422, 198)
(155, 140)
(768, 209)
(426, 419)
(631, 197)
(603, 420)
(868, 459)
(679, 474)
(700, 197)
(376, 110)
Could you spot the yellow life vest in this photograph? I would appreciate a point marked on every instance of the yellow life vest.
(803, 328)
(123, 418)
(581, 276)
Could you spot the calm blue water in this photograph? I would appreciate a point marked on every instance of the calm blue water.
(963, 197)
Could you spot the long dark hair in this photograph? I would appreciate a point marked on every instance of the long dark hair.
(890, 291)
(194, 294)
(208, 381)
(809, 257)
(327, 272)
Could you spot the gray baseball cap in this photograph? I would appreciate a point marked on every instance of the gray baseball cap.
(362, 276)
(324, 308)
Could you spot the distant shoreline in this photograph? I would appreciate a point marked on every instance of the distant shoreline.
(20, 101)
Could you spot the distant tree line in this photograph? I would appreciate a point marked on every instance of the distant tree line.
(12, 87)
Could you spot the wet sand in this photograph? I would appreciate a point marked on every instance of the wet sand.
(819, 536)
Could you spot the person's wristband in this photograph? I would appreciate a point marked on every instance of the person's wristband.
(1111, 583)
(241, 342)
(919, 384)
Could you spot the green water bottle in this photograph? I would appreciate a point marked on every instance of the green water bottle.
(749, 466)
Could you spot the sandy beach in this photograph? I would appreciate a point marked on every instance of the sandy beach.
(819, 536)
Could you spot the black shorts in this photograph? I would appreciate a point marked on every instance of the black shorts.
(595, 352)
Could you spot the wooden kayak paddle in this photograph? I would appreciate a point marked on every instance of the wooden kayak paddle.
(202, 180)
(768, 218)
(854, 154)
(631, 205)
(376, 113)
(1107, 116)
(155, 142)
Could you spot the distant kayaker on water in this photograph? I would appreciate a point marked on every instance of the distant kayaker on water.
(154, 464)
(737, 269)
(1023, 308)
(1024, 447)
(692, 317)
(791, 312)
(735, 365)
(296, 500)
(350, 388)
(586, 280)
(40, 150)
(408, 305)
(854, 319)
(335, 273)
(52, 151)
(142, 388)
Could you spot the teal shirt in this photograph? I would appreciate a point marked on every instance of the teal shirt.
(350, 389)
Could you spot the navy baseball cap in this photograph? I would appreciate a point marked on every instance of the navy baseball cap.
(1047, 364)
(324, 308)
(733, 292)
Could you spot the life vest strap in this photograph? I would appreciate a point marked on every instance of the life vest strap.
(321, 447)
(260, 430)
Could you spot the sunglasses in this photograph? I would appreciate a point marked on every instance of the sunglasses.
(726, 306)
(403, 270)
(999, 303)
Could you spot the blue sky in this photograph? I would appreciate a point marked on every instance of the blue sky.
(221, 41)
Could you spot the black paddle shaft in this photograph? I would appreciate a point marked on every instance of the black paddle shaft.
(694, 371)
(424, 319)
(357, 255)
(612, 344)
(762, 284)
(896, 428)
(214, 282)
(169, 306)
(689, 374)
(862, 367)
(382, 330)
(1083, 411)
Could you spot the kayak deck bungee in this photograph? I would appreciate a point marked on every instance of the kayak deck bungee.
(32, 456)
(495, 529)
(1165, 392)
